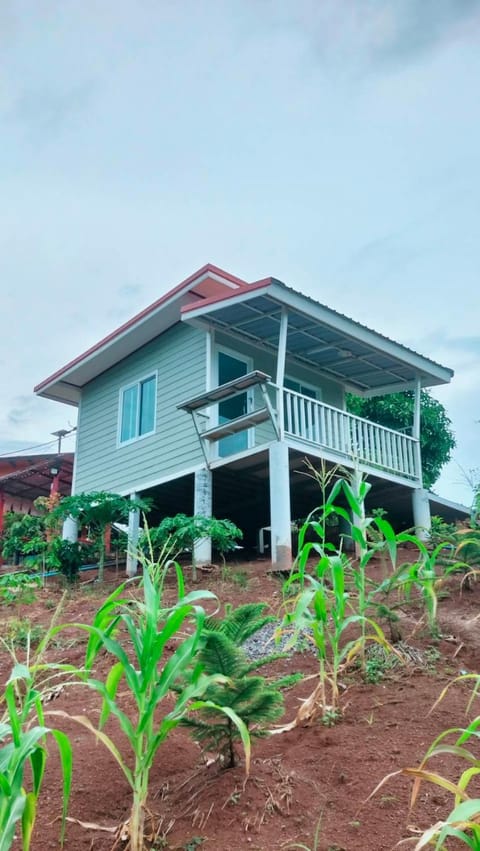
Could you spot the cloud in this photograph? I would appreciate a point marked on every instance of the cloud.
(414, 28)
(379, 258)
(379, 35)
(129, 291)
(46, 110)
(24, 410)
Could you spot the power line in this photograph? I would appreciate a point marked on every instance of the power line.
(26, 449)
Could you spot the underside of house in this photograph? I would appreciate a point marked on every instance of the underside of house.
(214, 399)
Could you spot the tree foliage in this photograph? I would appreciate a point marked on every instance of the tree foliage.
(254, 699)
(23, 535)
(396, 412)
(97, 510)
(182, 531)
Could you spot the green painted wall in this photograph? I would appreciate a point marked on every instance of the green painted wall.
(179, 356)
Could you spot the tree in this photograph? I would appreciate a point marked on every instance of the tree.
(254, 699)
(97, 510)
(396, 412)
(24, 535)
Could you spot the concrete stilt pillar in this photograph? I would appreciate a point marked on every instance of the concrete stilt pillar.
(280, 514)
(202, 506)
(345, 531)
(70, 529)
(421, 513)
(133, 532)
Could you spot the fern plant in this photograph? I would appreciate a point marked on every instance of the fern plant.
(256, 700)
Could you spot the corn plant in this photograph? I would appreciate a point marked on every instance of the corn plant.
(23, 735)
(325, 608)
(150, 674)
(463, 821)
(423, 575)
(325, 605)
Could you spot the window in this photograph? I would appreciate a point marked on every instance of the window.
(298, 387)
(137, 409)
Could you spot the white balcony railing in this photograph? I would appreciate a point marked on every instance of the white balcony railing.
(350, 436)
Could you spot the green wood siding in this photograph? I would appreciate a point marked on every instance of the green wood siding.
(330, 392)
(179, 358)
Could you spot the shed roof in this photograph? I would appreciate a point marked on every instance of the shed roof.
(33, 479)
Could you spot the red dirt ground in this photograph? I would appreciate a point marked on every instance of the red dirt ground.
(297, 778)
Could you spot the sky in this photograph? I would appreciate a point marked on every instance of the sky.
(333, 144)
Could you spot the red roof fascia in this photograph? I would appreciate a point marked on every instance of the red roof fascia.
(247, 288)
(209, 267)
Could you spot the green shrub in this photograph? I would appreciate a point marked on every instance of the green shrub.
(181, 532)
(66, 556)
(253, 698)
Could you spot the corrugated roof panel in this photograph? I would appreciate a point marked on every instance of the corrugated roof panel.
(261, 327)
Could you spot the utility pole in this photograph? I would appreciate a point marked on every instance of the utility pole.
(60, 434)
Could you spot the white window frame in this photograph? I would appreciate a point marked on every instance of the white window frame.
(122, 391)
(248, 360)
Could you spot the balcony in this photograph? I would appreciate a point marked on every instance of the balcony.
(273, 413)
(351, 438)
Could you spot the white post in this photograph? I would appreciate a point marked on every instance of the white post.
(358, 520)
(421, 513)
(416, 426)
(280, 516)
(280, 377)
(70, 529)
(202, 506)
(416, 408)
(420, 501)
(132, 540)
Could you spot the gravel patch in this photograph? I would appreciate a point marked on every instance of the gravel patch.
(263, 642)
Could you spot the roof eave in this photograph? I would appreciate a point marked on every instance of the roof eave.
(432, 372)
(50, 388)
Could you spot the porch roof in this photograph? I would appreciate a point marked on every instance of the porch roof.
(364, 361)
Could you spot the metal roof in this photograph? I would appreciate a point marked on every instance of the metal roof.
(35, 479)
(332, 344)
(335, 346)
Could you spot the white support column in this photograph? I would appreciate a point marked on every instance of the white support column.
(202, 505)
(416, 426)
(358, 520)
(133, 532)
(70, 529)
(416, 408)
(421, 513)
(280, 377)
(420, 501)
(280, 515)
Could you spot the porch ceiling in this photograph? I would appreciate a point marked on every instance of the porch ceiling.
(364, 361)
